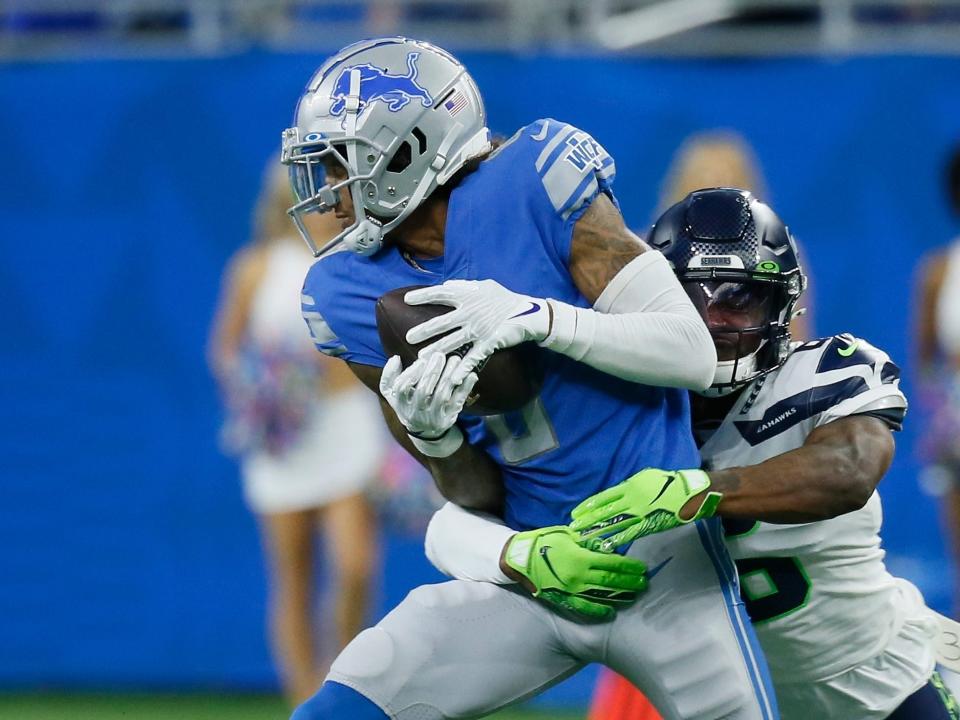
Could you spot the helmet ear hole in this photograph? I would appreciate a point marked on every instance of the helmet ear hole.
(401, 158)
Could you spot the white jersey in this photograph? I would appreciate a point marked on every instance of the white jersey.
(818, 593)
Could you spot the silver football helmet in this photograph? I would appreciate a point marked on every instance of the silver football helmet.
(387, 121)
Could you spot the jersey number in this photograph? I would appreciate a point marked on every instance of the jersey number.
(772, 587)
(524, 434)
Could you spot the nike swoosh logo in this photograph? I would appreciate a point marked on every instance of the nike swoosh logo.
(534, 307)
(849, 349)
(654, 570)
(667, 484)
(546, 561)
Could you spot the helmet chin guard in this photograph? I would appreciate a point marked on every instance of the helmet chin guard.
(364, 237)
(730, 375)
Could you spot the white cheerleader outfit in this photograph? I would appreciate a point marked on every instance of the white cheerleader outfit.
(340, 448)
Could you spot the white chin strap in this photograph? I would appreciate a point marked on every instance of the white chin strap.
(725, 377)
(364, 239)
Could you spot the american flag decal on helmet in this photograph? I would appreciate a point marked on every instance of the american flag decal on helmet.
(456, 102)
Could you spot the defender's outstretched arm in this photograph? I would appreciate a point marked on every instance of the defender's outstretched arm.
(834, 472)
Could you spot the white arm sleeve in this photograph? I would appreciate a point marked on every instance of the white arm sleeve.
(467, 545)
(643, 328)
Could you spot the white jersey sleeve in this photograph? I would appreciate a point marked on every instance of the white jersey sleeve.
(467, 545)
(862, 380)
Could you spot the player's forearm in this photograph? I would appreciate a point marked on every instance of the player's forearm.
(795, 497)
(470, 478)
(834, 473)
(644, 329)
(464, 474)
(668, 349)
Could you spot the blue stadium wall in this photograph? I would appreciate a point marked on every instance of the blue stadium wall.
(129, 559)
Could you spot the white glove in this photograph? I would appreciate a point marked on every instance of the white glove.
(426, 400)
(485, 314)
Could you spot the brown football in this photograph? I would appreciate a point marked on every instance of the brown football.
(508, 380)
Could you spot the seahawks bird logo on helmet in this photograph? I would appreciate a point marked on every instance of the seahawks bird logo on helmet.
(739, 264)
(375, 121)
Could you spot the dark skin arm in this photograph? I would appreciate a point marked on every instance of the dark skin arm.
(470, 478)
(602, 246)
(834, 472)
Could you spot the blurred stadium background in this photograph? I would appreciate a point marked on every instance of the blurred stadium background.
(132, 137)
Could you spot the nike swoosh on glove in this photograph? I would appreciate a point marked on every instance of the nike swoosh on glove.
(645, 503)
(485, 315)
(587, 583)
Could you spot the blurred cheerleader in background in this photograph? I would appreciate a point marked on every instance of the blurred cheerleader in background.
(309, 437)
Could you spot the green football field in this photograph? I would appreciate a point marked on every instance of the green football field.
(41, 706)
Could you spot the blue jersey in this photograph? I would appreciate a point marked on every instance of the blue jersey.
(512, 221)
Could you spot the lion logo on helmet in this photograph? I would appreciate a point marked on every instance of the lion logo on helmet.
(378, 84)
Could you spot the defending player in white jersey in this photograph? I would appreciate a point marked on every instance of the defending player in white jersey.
(795, 438)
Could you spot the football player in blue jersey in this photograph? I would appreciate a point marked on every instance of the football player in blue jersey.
(527, 244)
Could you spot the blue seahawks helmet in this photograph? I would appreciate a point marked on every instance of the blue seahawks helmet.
(386, 120)
(729, 248)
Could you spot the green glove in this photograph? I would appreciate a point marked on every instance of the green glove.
(646, 503)
(558, 570)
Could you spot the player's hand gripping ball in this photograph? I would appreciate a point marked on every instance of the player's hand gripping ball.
(423, 396)
(508, 380)
(485, 315)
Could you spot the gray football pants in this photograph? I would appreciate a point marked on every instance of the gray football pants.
(466, 649)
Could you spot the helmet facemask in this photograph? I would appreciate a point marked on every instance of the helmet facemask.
(748, 314)
(321, 169)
